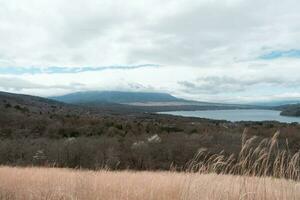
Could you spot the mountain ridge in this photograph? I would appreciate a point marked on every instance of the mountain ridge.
(116, 102)
(116, 97)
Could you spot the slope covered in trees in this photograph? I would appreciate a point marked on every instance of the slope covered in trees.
(36, 131)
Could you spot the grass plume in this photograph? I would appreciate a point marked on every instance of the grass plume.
(256, 158)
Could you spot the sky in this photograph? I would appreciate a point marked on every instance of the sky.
(235, 51)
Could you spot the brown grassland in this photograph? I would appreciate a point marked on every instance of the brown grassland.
(52, 183)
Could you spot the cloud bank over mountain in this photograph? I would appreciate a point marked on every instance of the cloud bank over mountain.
(231, 50)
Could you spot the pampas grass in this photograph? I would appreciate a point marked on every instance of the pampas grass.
(264, 159)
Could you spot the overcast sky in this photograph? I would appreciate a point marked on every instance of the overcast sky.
(208, 50)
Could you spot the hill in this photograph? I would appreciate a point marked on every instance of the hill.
(30, 102)
(116, 97)
(274, 103)
(290, 110)
(32, 105)
(29, 116)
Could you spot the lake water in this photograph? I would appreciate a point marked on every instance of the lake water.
(237, 115)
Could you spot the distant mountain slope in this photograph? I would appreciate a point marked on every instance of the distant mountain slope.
(277, 103)
(30, 102)
(129, 102)
(13, 105)
(116, 97)
(290, 110)
(27, 100)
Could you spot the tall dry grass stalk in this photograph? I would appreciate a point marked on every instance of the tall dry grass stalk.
(256, 158)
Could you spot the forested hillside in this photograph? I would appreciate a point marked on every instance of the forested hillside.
(290, 110)
(44, 132)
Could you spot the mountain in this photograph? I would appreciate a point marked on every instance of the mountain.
(116, 97)
(290, 110)
(277, 103)
(18, 106)
(128, 102)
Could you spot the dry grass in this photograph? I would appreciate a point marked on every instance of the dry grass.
(262, 172)
(264, 159)
(51, 183)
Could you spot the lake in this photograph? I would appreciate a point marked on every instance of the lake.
(237, 115)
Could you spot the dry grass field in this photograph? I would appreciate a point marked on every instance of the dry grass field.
(53, 183)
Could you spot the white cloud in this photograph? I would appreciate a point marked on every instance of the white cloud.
(191, 39)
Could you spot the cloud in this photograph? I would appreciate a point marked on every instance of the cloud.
(18, 84)
(221, 50)
(227, 84)
(92, 33)
(64, 70)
